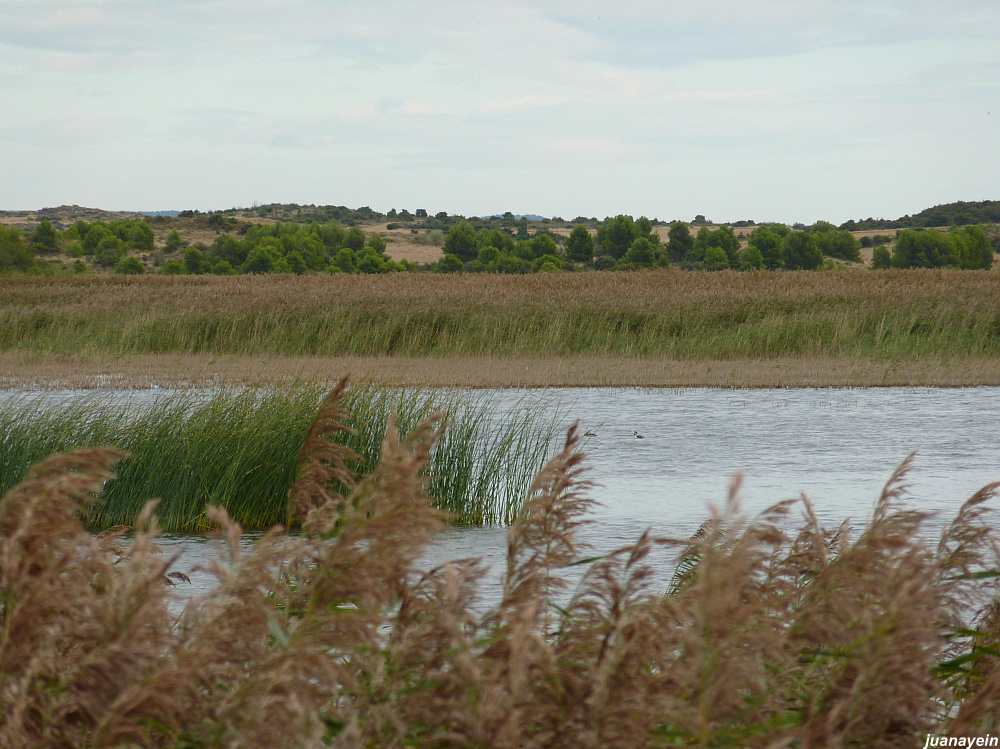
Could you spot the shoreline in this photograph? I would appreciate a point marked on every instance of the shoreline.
(20, 370)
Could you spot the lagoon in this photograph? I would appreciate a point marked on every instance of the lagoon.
(839, 447)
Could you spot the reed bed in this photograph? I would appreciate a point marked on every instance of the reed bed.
(237, 448)
(769, 635)
(887, 315)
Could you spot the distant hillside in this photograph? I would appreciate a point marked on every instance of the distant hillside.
(958, 214)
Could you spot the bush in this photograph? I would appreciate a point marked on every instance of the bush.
(173, 267)
(130, 266)
(450, 264)
(881, 259)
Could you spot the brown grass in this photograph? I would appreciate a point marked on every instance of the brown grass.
(771, 636)
(20, 370)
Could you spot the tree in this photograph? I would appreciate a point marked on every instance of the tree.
(768, 243)
(751, 259)
(97, 232)
(462, 241)
(543, 244)
(641, 252)
(345, 260)
(974, 248)
(130, 265)
(296, 263)
(174, 241)
(920, 248)
(616, 235)
(173, 267)
(680, 241)
(881, 259)
(194, 261)
(580, 245)
(140, 236)
(799, 252)
(354, 239)
(377, 242)
(44, 237)
(450, 264)
(370, 261)
(14, 253)
(715, 259)
(110, 251)
(259, 260)
(833, 242)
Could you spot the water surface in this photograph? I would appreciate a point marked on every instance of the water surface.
(839, 447)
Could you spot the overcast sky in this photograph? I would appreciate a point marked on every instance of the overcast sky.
(785, 110)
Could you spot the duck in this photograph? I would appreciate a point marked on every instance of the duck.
(638, 436)
(590, 433)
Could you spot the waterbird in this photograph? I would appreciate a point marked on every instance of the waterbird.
(638, 436)
(590, 433)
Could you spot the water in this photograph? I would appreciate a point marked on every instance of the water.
(837, 446)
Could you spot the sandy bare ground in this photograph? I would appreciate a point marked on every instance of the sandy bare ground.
(20, 370)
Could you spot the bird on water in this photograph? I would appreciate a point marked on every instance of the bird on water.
(638, 436)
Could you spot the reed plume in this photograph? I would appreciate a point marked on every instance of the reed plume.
(771, 633)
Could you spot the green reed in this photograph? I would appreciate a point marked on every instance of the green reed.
(237, 448)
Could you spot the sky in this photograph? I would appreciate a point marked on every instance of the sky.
(771, 110)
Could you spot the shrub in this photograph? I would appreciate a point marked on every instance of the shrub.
(173, 267)
(130, 266)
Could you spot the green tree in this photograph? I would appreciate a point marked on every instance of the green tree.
(462, 241)
(129, 266)
(680, 241)
(194, 261)
(45, 237)
(974, 247)
(751, 259)
(223, 268)
(833, 242)
(881, 259)
(174, 241)
(616, 235)
(110, 251)
(580, 245)
(799, 252)
(140, 236)
(354, 239)
(641, 253)
(259, 260)
(715, 259)
(14, 253)
(767, 242)
(296, 263)
(543, 244)
(923, 248)
(96, 233)
(450, 264)
(346, 261)
(173, 267)
(227, 247)
(377, 242)
(370, 261)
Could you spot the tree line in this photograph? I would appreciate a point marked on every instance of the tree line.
(505, 245)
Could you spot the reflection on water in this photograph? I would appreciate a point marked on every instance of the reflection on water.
(837, 446)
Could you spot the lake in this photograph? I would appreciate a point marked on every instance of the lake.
(837, 446)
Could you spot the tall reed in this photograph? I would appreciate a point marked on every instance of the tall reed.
(236, 449)
(770, 636)
(884, 315)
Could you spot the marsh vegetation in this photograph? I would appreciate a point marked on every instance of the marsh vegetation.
(236, 448)
(770, 633)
